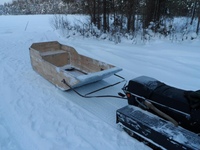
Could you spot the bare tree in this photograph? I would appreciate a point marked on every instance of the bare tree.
(193, 11)
(198, 25)
(130, 14)
(153, 11)
(105, 25)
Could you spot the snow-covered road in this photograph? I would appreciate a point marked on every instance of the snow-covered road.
(35, 115)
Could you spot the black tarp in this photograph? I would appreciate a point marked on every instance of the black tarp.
(159, 92)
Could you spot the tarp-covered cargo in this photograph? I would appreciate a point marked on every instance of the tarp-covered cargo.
(175, 102)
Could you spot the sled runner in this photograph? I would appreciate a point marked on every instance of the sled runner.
(55, 62)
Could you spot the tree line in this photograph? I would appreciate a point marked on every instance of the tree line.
(124, 16)
(23, 7)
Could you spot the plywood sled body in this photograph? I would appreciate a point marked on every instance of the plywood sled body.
(55, 62)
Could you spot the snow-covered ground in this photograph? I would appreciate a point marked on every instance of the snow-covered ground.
(35, 115)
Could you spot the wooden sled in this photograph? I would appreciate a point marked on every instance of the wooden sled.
(56, 62)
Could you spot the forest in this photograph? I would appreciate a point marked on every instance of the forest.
(119, 17)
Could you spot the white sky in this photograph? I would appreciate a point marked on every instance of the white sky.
(4, 1)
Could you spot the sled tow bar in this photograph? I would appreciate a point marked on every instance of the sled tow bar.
(88, 95)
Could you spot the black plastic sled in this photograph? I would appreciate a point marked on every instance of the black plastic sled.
(153, 106)
(183, 106)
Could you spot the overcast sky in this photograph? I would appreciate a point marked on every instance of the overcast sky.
(4, 1)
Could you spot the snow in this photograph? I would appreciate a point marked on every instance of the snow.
(5, 1)
(36, 115)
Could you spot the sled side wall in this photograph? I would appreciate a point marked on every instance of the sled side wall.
(52, 59)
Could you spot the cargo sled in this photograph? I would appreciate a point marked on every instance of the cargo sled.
(164, 116)
(57, 62)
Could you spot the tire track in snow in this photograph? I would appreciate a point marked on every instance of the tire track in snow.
(15, 128)
(9, 97)
(7, 142)
(6, 139)
(12, 74)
